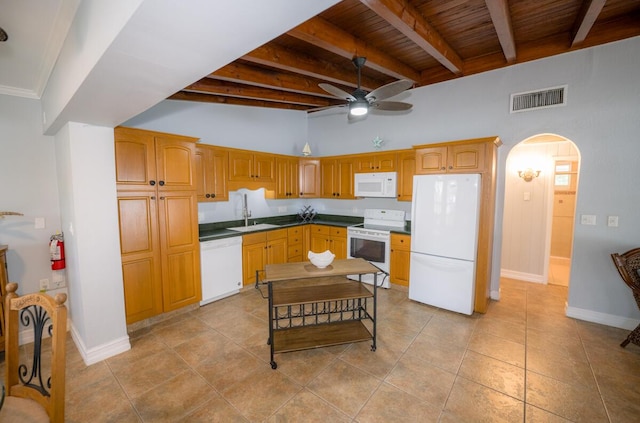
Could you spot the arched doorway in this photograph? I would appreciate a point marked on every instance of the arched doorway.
(541, 185)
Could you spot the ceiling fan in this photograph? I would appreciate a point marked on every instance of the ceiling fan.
(359, 102)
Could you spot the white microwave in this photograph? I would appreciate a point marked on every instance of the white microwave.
(380, 184)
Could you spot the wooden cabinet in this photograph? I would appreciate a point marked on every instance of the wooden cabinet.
(260, 249)
(378, 162)
(212, 172)
(146, 159)
(286, 177)
(406, 170)
(400, 259)
(4, 279)
(455, 157)
(333, 238)
(337, 178)
(309, 178)
(250, 166)
(295, 244)
(158, 226)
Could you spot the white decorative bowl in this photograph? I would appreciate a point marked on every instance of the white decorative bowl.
(321, 260)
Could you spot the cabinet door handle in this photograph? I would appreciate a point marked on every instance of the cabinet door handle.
(152, 182)
(450, 167)
(162, 198)
(213, 196)
(161, 183)
(153, 197)
(208, 196)
(442, 168)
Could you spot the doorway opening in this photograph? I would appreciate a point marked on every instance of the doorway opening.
(541, 185)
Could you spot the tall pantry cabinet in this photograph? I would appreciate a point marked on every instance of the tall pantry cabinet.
(158, 212)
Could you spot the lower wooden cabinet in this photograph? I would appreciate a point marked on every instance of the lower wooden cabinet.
(400, 259)
(295, 244)
(260, 249)
(333, 238)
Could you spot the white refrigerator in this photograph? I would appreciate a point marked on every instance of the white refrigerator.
(444, 239)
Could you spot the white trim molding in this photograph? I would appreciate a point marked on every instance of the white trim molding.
(101, 352)
(602, 318)
(521, 276)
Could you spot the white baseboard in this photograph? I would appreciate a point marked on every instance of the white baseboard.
(527, 277)
(602, 318)
(102, 352)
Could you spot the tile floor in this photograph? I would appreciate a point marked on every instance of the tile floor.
(523, 361)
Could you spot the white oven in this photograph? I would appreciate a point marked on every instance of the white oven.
(372, 241)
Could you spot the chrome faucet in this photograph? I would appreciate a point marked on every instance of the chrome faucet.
(246, 214)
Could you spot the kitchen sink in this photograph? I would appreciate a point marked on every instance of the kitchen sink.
(250, 228)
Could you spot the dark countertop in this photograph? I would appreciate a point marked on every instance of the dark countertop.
(218, 230)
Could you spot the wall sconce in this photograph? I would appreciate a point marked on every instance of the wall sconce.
(528, 174)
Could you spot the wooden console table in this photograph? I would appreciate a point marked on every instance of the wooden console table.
(311, 307)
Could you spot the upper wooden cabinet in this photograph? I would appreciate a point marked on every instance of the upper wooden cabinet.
(309, 178)
(146, 159)
(250, 166)
(287, 177)
(377, 162)
(406, 170)
(337, 178)
(457, 157)
(212, 172)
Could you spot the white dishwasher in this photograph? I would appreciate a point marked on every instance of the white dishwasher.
(221, 268)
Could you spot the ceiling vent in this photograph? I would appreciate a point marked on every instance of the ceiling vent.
(541, 99)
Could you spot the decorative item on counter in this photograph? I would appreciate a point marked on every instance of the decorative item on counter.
(8, 213)
(321, 260)
(306, 214)
(377, 143)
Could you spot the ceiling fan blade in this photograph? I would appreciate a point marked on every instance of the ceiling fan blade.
(394, 106)
(390, 89)
(337, 92)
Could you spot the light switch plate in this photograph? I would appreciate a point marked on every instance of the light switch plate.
(612, 221)
(588, 219)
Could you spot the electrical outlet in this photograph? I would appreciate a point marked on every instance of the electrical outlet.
(58, 280)
(282, 209)
(612, 221)
(44, 284)
(588, 219)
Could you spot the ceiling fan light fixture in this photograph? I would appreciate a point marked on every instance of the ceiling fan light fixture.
(358, 107)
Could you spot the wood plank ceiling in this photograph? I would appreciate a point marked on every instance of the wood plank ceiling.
(425, 41)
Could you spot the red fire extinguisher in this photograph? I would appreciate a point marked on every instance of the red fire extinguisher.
(56, 248)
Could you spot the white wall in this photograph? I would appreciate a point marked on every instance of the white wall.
(28, 175)
(86, 175)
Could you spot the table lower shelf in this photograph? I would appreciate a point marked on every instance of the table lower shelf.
(306, 337)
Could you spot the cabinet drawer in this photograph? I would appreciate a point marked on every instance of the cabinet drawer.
(294, 231)
(256, 238)
(401, 242)
(294, 250)
(277, 234)
(338, 231)
(320, 229)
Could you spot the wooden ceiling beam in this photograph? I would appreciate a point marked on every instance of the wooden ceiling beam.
(408, 20)
(208, 98)
(285, 59)
(230, 89)
(327, 36)
(501, 18)
(586, 18)
(268, 78)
